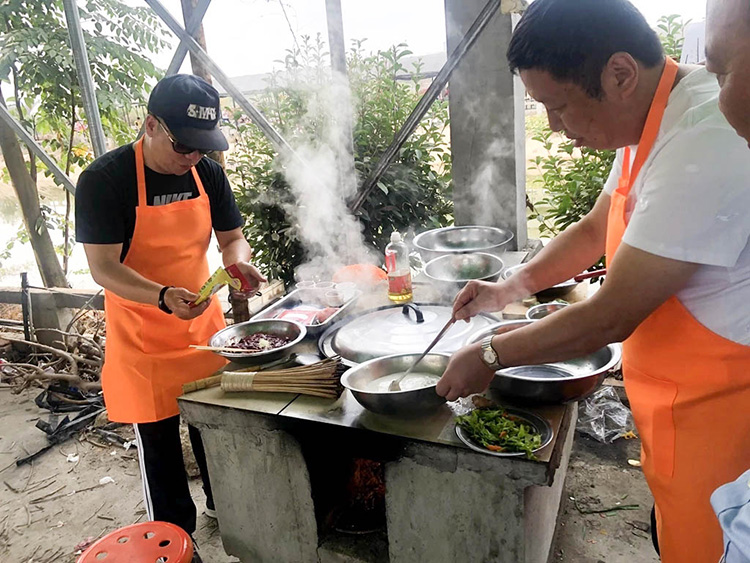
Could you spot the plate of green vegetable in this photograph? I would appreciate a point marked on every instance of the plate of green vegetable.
(504, 431)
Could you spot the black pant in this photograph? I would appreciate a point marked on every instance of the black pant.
(165, 482)
(654, 534)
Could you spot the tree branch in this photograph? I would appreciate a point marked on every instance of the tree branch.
(40, 374)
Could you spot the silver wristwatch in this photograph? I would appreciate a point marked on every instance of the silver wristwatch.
(488, 354)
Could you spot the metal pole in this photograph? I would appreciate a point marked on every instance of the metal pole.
(335, 22)
(192, 26)
(26, 137)
(85, 80)
(28, 323)
(424, 104)
(278, 141)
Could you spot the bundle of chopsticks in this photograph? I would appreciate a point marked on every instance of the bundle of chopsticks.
(321, 379)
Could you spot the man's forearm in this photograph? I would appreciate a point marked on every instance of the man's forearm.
(567, 255)
(237, 250)
(128, 284)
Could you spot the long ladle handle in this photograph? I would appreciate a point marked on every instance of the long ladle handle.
(397, 382)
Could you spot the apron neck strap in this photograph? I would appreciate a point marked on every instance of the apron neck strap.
(198, 183)
(140, 172)
(653, 121)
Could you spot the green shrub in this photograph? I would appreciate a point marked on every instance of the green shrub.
(572, 180)
(415, 190)
(671, 30)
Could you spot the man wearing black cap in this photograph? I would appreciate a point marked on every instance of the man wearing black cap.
(145, 213)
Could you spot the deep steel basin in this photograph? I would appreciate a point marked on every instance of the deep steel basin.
(554, 383)
(461, 240)
(453, 271)
(401, 403)
(277, 327)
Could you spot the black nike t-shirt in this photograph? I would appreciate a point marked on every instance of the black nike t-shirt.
(107, 196)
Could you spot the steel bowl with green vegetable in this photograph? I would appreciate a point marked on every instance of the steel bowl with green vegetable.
(503, 431)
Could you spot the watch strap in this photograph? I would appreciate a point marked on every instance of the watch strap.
(162, 304)
(487, 346)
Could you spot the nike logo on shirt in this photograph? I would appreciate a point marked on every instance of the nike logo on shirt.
(170, 198)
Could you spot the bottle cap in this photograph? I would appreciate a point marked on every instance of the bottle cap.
(395, 236)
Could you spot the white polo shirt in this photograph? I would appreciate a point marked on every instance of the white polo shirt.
(691, 202)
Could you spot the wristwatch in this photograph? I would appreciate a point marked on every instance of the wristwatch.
(162, 303)
(489, 356)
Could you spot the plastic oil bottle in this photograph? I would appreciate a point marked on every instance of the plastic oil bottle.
(397, 266)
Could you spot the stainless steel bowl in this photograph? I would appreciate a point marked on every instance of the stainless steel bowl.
(541, 425)
(544, 309)
(554, 292)
(278, 327)
(553, 383)
(460, 240)
(402, 403)
(453, 271)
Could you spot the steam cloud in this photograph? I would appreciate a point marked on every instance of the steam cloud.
(323, 180)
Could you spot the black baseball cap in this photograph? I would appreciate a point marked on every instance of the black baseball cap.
(189, 106)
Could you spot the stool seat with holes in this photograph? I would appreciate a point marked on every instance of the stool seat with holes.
(147, 542)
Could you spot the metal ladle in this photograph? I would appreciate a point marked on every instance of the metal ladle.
(395, 384)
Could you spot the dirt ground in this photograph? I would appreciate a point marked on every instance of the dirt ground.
(600, 478)
(49, 507)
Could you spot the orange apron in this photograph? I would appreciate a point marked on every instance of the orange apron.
(147, 357)
(689, 390)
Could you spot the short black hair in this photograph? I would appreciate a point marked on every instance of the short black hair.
(574, 39)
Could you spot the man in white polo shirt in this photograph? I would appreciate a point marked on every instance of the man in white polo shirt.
(673, 223)
(728, 57)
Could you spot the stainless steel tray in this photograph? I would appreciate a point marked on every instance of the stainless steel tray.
(298, 298)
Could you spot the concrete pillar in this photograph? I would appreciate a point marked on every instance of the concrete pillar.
(487, 126)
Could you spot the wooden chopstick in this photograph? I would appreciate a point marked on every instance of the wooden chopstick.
(219, 349)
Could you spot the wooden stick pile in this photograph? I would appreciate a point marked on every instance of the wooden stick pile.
(321, 379)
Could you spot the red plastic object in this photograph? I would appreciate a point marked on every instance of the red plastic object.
(157, 542)
(361, 274)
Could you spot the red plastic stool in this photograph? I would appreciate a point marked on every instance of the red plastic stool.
(147, 542)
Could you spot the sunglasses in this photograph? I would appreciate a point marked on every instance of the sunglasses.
(177, 146)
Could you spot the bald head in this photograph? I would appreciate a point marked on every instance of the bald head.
(728, 56)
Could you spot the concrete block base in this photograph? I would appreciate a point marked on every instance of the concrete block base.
(442, 503)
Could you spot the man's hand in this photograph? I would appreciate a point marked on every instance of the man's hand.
(178, 299)
(252, 274)
(479, 297)
(466, 374)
